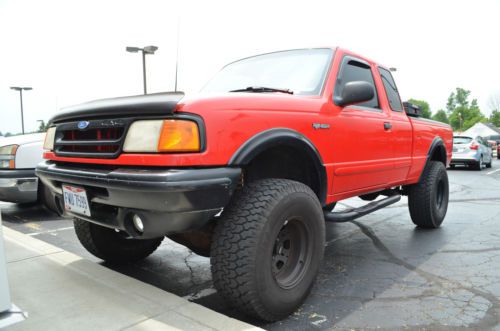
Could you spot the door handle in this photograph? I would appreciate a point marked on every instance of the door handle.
(387, 126)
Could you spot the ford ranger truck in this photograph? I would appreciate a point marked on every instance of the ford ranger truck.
(249, 170)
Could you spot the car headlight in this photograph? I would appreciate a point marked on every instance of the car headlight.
(7, 156)
(170, 136)
(50, 136)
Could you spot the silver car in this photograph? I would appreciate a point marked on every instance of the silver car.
(470, 151)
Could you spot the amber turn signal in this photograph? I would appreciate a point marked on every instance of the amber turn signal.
(179, 136)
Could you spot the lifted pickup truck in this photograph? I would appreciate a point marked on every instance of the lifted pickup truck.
(248, 171)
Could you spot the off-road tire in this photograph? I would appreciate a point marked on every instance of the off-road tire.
(248, 241)
(111, 246)
(428, 199)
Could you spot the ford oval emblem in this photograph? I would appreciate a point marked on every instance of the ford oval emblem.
(83, 124)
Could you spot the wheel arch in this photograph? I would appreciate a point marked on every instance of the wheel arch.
(437, 152)
(269, 145)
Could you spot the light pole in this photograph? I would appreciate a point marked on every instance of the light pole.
(20, 89)
(144, 51)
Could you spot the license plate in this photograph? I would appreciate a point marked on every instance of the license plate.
(75, 200)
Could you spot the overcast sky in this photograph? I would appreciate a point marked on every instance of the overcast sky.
(74, 51)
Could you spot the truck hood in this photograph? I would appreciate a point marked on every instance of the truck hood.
(150, 104)
(240, 101)
(22, 139)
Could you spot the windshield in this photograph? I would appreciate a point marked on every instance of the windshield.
(461, 140)
(301, 71)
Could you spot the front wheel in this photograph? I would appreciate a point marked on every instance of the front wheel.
(112, 246)
(428, 199)
(267, 248)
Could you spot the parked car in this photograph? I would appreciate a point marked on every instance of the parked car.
(474, 152)
(19, 156)
(494, 146)
(248, 171)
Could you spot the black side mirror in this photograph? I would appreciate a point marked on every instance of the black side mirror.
(355, 92)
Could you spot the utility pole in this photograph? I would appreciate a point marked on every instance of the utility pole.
(20, 89)
(144, 51)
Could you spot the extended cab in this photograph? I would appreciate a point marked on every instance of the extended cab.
(248, 171)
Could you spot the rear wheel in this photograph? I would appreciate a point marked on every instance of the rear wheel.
(488, 165)
(428, 199)
(112, 246)
(267, 248)
(479, 164)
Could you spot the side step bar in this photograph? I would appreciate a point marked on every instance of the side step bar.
(353, 213)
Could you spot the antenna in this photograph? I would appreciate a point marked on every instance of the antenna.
(177, 53)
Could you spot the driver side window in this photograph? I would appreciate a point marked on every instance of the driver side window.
(353, 70)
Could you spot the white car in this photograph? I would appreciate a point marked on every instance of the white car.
(19, 156)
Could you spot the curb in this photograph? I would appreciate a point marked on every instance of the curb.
(99, 296)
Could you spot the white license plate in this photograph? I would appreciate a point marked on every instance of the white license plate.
(75, 200)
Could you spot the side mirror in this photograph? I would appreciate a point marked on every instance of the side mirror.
(355, 92)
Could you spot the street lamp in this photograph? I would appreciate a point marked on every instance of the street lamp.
(144, 51)
(20, 89)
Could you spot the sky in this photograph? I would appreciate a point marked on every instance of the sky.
(72, 51)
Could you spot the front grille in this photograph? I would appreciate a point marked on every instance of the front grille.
(99, 138)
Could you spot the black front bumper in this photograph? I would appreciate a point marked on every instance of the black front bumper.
(166, 200)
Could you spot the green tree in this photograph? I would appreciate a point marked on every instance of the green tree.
(441, 116)
(495, 118)
(424, 107)
(43, 126)
(462, 113)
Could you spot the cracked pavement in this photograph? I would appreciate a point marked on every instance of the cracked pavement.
(379, 272)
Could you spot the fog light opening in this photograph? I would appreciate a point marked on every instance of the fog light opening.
(137, 221)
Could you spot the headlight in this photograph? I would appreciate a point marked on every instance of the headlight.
(48, 144)
(7, 156)
(163, 136)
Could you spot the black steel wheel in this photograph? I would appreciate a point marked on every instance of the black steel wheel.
(428, 199)
(267, 248)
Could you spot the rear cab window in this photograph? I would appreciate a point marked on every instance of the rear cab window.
(391, 90)
(351, 70)
(462, 140)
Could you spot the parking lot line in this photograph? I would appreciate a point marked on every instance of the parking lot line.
(492, 172)
(49, 231)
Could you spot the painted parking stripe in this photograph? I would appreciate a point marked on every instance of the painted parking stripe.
(492, 172)
(49, 231)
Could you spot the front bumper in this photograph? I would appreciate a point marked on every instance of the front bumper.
(167, 200)
(18, 185)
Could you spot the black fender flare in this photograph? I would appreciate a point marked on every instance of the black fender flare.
(282, 137)
(436, 143)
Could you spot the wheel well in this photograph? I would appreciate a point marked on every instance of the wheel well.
(285, 162)
(439, 154)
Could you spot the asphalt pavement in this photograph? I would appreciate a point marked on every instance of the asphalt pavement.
(379, 272)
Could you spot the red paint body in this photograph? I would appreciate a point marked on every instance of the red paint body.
(359, 155)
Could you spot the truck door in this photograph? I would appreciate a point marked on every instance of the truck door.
(361, 147)
(401, 131)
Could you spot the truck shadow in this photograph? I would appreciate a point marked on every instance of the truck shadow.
(358, 266)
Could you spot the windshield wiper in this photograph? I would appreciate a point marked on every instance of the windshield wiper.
(258, 89)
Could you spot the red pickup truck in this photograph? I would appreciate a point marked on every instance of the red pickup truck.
(248, 171)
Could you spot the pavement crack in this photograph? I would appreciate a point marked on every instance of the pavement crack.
(490, 318)
(191, 271)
